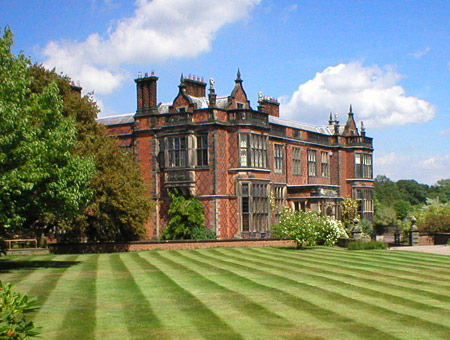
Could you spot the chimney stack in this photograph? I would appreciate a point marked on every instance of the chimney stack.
(76, 87)
(146, 88)
(195, 86)
(268, 105)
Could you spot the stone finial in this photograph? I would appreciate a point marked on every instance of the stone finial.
(356, 230)
(212, 82)
(350, 110)
(413, 233)
(238, 75)
(260, 96)
(363, 129)
(330, 121)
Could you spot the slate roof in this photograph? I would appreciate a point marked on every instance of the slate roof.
(221, 102)
(327, 130)
(115, 120)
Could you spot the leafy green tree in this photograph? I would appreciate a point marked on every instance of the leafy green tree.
(402, 209)
(384, 216)
(413, 192)
(386, 190)
(121, 204)
(41, 181)
(187, 219)
(434, 218)
(13, 307)
(441, 190)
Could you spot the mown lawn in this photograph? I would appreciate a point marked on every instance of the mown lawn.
(237, 293)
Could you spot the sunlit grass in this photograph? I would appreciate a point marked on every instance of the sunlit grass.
(238, 293)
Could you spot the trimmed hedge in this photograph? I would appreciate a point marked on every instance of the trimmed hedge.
(366, 245)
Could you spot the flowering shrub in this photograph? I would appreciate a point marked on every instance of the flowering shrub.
(13, 306)
(329, 230)
(308, 228)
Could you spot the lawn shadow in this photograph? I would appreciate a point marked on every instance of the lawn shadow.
(7, 265)
(296, 248)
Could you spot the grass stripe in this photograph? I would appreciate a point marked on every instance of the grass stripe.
(111, 323)
(329, 276)
(426, 315)
(381, 257)
(359, 268)
(208, 324)
(374, 278)
(332, 295)
(234, 300)
(79, 320)
(305, 321)
(432, 259)
(140, 319)
(396, 257)
(18, 269)
(323, 314)
(47, 283)
(388, 265)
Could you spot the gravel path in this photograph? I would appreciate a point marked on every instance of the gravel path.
(439, 249)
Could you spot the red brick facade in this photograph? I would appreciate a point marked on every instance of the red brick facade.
(232, 157)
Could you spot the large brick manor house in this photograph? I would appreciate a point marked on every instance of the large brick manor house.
(231, 157)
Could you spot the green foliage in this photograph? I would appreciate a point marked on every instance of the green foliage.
(366, 227)
(413, 192)
(121, 203)
(13, 307)
(308, 228)
(187, 219)
(42, 181)
(366, 245)
(203, 234)
(387, 191)
(384, 215)
(349, 211)
(433, 218)
(402, 209)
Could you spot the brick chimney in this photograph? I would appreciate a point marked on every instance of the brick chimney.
(195, 86)
(268, 105)
(76, 87)
(146, 89)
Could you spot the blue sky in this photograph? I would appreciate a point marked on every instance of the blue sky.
(390, 60)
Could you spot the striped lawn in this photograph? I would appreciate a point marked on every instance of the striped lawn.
(237, 293)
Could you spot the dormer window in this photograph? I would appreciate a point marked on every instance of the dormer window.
(240, 105)
(181, 109)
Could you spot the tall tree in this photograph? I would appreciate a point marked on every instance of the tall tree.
(121, 204)
(42, 182)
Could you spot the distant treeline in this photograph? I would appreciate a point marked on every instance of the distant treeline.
(409, 190)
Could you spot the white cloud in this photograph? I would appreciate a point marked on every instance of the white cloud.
(445, 132)
(287, 11)
(159, 30)
(420, 54)
(376, 97)
(427, 169)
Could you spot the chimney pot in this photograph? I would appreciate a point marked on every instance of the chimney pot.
(153, 73)
(146, 74)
